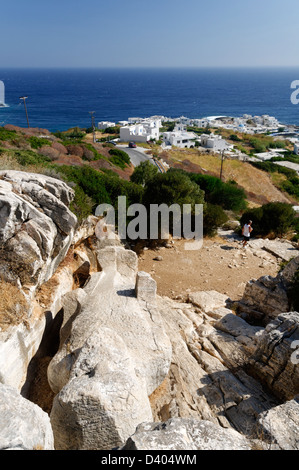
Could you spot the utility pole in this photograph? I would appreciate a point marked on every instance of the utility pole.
(222, 161)
(93, 126)
(24, 98)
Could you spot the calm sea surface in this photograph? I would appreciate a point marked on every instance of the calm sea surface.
(60, 99)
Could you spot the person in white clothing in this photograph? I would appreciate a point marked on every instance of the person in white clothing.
(247, 229)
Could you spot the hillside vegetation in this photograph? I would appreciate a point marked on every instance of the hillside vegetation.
(99, 173)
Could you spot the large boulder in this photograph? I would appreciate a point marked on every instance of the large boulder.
(185, 434)
(36, 226)
(23, 425)
(265, 298)
(274, 362)
(280, 425)
(129, 344)
(36, 232)
(103, 401)
(208, 301)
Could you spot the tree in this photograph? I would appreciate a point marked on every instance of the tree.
(143, 173)
(213, 217)
(169, 189)
(173, 187)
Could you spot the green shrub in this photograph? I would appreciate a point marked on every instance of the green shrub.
(29, 157)
(112, 130)
(143, 173)
(119, 158)
(97, 155)
(213, 218)
(235, 138)
(6, 135)
(227, 195)
(82, 205)
(38, 142)
(274, 218)
(173, 187)
(102, 187)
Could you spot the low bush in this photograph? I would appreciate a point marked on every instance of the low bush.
(29, 157)
(227, 195)
(275, 218)
(213, 218)
(119, 158)
(143, 173)
(6, 135)
(38, 142)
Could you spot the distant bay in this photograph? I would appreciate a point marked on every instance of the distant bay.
(59, 99)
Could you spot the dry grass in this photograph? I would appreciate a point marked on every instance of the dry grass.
(13, 305)
(8, 162)
(257, 184)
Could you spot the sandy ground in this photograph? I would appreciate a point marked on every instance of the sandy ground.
(221, 264)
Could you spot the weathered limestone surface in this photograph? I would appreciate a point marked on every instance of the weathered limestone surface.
(273, 362)
(103, 401)
(207, 377)
(264, 299)
(36, 226)
(129, 357)
(187, 375)
(208, 301)
(23, 425)
(282, 249)
(281, 425)
(185, 434)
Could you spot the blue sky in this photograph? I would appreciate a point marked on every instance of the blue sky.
(152, 33)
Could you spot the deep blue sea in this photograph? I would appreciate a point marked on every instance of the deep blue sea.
(59, 99)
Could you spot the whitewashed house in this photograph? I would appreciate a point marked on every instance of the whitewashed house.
(105, 124)
(179, 137)
(215, 143)
(296, 148)
(202, 123)
(140, 132)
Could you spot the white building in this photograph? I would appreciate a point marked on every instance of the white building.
(271, 154)
(215, 143)
(2, 95)
(202, 123)
(179, 137)
(105, 124)
(141, 132)
(296, 148)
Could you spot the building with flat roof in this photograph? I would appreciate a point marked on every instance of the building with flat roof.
(215, 143)
(105, 124)
(179, 137)
(141, 132)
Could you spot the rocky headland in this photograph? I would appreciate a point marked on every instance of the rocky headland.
(94, 357)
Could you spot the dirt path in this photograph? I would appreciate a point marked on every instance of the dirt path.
(221, 265)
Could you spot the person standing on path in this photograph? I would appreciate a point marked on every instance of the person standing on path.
(247, 229)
